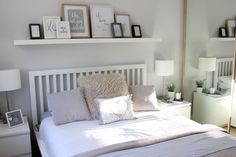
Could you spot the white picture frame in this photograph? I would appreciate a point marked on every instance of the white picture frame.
(49, 26)
(63, 30)
(102, 16)
(78, 17)
(230, 26)
(124, 19)
(14, 118)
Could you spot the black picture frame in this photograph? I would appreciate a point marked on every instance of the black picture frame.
(14, 118)
(136, 31)
(117, 31)
(222, 32)
(35, 31)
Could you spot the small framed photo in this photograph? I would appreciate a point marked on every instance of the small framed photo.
(230, 26)
(63, 30)
(35, 31)
(124, 19)
(102, 16)
(136, 31)
(222, 32)
(50, 27)
(14, 118)
(117, 30)
(78, 18)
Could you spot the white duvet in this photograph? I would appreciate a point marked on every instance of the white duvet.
(80, 137)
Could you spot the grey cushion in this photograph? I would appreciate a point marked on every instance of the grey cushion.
(68, 106)
(144, 98)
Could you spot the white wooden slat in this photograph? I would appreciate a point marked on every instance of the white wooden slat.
(67, 82)
(138, 77)
(54, 80)
(34, 110)
(74, 81)
(133, 77)
(128, 77)
(61, 83)
(47, 84)
(40, 85)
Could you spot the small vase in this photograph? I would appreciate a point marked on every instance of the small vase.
(171, 95)
(199, 89)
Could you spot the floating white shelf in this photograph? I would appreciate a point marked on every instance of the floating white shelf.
(85, 41)
(222, 39)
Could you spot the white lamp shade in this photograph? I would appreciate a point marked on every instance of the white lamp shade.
(10, 80)
(164, 67)
(207, 64)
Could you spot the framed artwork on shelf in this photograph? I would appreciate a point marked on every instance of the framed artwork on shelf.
(136, 31)
(63, 30)
(78, 17)
(117, 30)
(124, 19)
(222, 32)
(230, 26)
(14, 118)
(102, 16)
(35, 31)
(50, 27)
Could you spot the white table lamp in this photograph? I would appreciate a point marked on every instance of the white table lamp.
(9, 80)
(164, 68)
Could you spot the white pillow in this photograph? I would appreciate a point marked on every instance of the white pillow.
(115, 109)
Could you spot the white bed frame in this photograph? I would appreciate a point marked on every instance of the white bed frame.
(53, 81)
(224, 67)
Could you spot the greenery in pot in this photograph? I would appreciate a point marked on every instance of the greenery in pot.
(200, 83)
(170, 87)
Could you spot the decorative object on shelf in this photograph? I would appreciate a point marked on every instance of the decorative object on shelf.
(50, 27)
(230, 25)
(117, 30)
(207, 65)
(136, 31)
(101, 18)
(124, 19)
(63, 30)
(164, 68)
(35, 31)
(200, 84)
(222, 32)
(212, 90)
(178, 96)
(14, 118)
(78, 17)
(171, 90)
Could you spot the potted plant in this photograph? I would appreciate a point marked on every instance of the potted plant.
(171, 90)
(200, 84)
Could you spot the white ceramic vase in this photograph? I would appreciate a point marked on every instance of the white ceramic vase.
(199, 89)
(171, 95)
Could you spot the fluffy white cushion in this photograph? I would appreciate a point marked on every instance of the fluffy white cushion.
(115, 109)
(68, 106)
(144, 98)
(102, 86)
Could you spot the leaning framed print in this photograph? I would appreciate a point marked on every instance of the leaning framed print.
(230, 27)
(35, 31)
(136, 31)
(50, 27)
(101, 18)
(117, 30)
(124, 19)
(14, 118)
(63, 30)
(78, 17)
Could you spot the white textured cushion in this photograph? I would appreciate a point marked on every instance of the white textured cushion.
(102, 86)
(115, 109)
(68, 106)
(144, 98)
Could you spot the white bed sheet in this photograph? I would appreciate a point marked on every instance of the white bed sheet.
(79, 137)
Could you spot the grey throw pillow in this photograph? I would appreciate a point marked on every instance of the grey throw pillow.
(68, 106)
(144, 98)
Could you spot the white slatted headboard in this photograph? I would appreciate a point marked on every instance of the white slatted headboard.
(224, 67)
(53, 81)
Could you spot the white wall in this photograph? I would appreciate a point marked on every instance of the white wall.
(158, 18)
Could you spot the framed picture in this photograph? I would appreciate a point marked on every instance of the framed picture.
(63, 30)
(14, 118)
(117, 30)
(35, 31)
(136, 31)
(78, 18)
(230, 26)
(101, 18)
(50, 27)
(124, 19)
(222, 32)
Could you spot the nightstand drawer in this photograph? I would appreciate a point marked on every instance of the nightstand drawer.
(15, 146)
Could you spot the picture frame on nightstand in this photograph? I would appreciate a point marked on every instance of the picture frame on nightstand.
(14, 118)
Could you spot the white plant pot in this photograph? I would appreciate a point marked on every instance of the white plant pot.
(199, 90)
(171, 95)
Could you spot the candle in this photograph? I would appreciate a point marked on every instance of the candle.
(178, 96)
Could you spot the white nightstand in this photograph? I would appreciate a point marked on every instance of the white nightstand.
(183, 109)
(15, 141)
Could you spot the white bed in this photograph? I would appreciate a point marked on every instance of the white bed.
(152, 133)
